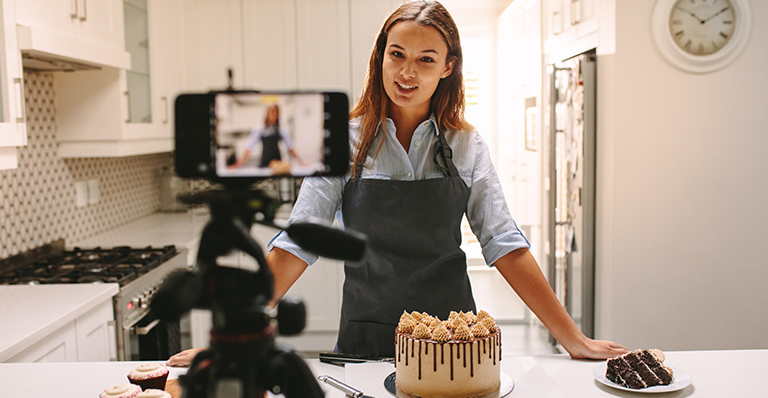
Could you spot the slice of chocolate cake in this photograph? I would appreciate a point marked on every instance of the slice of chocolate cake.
(639, 369)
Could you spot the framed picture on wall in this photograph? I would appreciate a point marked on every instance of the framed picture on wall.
(531, 124)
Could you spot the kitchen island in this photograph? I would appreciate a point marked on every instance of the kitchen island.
(30, 314)
(714, 374)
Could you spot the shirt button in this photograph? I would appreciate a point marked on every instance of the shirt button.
(417, 143)
(410, 174)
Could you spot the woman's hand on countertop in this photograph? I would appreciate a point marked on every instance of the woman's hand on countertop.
(595, 349)
(184, 358)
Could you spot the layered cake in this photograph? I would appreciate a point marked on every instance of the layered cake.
(149, 375)
(456, 357)
(639, 369)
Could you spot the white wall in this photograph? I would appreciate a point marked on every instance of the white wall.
(682, 193)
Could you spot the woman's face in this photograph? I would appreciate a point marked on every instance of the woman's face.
(414, 62)
(273, 113)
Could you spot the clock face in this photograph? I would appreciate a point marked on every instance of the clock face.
(702, 27)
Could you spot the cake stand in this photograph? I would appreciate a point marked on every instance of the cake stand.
(506, 387)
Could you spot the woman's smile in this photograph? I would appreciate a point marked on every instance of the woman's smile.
(415, 61)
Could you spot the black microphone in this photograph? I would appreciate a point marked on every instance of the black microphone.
(326, 241)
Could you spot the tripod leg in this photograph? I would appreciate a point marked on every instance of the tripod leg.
(291, 375)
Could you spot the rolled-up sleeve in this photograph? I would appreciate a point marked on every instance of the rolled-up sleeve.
(487, 210)
(319, 198)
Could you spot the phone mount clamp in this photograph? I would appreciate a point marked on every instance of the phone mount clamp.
(243, 359)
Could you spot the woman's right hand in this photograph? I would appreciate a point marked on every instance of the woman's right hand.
(184, 358)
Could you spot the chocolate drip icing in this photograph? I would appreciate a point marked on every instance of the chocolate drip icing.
(420, 359)
(471, 363)
(451, 352)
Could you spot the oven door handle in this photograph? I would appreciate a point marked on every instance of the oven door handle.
(143, 331)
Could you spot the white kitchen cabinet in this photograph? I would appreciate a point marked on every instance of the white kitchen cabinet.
(213, 42)
(90, 31)
(59, 346)
(285, 45)
(124, 112)
(88, 338)
(570, 24)
(13, 127)
(96, 334)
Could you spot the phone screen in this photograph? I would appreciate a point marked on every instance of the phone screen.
(258, 134)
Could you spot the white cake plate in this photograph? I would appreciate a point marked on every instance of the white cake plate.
(506, 387)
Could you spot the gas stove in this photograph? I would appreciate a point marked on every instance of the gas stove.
(138, 271)
(119, 265)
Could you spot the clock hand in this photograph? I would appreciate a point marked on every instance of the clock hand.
(692, 14)
(715, 14)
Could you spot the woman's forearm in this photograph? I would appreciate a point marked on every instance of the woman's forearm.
(523, 274)
(286, 269)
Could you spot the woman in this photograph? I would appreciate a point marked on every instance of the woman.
(418, 167)
(269, 135)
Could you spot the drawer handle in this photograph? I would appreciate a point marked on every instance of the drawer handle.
(74, 14)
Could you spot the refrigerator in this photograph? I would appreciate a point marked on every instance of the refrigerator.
(571, 199)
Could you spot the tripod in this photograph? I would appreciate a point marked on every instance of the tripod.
(243, 359)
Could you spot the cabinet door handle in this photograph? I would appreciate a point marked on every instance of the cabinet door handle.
(557, 23)
(575, 11)
(84, 17)
(128, 101)
(112, 340)
(167, 111)
(74, 10)
(20, 100)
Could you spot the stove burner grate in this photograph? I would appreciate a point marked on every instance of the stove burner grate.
(120, 264)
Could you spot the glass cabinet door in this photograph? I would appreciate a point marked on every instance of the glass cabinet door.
(137, 44)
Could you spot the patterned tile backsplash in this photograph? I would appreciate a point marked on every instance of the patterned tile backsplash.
(37, 203)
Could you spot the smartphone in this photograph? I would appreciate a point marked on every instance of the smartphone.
(250, 135)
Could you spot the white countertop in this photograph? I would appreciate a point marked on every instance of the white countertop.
(29, 313)
(157, 229)
(714, 374)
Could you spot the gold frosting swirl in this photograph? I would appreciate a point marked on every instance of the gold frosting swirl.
(435, 323)
(463, 333)
(406, 326)
(416, 316)
(421, 332)
(441, 334)
(479, 330)
(471, 317)
(405, 316)
(489, 324)
(426, 319)
(453, 314)
(482, 315)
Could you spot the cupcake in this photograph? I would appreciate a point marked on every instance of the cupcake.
(153, 393)
(121, 391)
(149, 375)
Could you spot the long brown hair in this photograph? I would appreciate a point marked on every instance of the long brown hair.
(447, 102)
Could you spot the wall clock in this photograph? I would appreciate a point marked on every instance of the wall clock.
(701, 35)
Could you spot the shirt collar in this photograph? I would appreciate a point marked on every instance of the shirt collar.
(432, 120)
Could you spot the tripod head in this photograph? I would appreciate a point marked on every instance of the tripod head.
(243, 359)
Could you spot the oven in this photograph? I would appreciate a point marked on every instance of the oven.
(138, 271)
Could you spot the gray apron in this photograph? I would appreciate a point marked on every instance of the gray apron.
(414, 261)
(270, 149)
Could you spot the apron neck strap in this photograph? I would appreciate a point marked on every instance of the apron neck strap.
(444, 151)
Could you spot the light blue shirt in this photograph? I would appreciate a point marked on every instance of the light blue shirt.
(487, 211)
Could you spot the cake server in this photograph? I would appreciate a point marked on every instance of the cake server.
(349, 391)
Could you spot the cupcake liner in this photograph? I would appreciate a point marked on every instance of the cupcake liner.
(157, 383)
